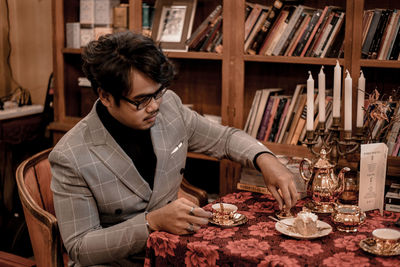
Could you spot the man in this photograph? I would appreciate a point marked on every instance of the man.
(116, 174)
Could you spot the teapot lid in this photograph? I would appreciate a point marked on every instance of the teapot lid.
(322, 162)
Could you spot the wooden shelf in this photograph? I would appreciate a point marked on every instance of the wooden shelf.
(170, 54)
(393, 64)
(194, 55)
(293, 60)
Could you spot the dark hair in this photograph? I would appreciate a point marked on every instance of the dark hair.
(108, 62)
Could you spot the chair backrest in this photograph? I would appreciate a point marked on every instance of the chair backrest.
(33, 181)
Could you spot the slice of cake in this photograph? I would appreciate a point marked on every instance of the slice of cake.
(305, 223)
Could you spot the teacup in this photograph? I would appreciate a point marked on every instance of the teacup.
(386, 239)
(224, 215)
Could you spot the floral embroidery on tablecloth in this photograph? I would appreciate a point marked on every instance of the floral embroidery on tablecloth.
(346, 259)
(248, 248)
(278, 260)
(201, 253)
(370, 225)
(211, 233)
(349, 242)
(388, 216)
(301, 247)
(389, 261)
(263, 229)
(236, 197)
(262, 207)
(163, 243)
(250, 215)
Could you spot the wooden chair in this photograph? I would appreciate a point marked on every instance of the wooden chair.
(33, 181)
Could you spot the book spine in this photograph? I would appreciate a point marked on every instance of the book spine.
(333, 34)
(371, 32)
(393, 35)
(260, 36)
(290, 21)
(396, 47)
(275, 124)
(265, 119)
(282, 120)
(391, 207)
(252, 188)
(292, 34)
(251, 20)
(314, 30)
(373, 51)
(306, 35)
(300, 34)
(199, 32)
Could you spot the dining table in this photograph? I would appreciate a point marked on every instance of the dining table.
(257, 242)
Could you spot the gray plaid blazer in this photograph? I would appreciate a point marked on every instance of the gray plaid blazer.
(100, 197)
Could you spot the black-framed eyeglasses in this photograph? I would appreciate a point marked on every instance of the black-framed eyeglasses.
(143, 101)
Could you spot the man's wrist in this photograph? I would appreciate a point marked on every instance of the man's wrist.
(256, 165)
(147, 222)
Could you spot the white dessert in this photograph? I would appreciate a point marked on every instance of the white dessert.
(305, 223)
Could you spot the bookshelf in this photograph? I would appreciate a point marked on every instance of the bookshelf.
(224, 84)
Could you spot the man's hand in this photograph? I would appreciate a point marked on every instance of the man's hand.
(178, 217)
(277, 176)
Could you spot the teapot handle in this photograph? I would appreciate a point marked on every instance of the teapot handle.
(301, 169)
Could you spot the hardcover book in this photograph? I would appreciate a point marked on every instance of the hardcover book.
(260, 36)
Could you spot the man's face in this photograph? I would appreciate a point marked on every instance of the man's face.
(128, 113)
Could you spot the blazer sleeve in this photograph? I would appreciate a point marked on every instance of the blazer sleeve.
(85, 240)
(217, 140)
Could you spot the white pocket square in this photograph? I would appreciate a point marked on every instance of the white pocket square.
(176, 148)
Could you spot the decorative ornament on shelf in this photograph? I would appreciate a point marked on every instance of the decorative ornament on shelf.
(380, 116)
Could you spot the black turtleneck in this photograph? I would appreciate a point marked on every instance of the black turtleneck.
(136, 143)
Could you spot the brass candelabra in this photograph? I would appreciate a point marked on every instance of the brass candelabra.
(332, 142)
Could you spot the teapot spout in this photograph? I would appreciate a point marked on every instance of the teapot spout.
(341, 179)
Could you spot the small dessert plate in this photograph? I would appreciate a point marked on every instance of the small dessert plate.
(285, 227)
(369, 245)
(238, 219)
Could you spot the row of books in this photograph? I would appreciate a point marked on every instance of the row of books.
(101, 17)
(381, 34)
(290, 30)
(207, 37)
(392, 198)
(282, 118)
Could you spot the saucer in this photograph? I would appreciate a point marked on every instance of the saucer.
(284, 228)
(242, 220)
(370, 247)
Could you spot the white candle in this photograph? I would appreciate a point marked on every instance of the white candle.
(321, 93)
(336, 90)
(360, 100)
(347, 101)
(310, 103)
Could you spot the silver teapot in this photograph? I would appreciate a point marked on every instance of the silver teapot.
(323, 186)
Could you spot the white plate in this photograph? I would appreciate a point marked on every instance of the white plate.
(326, 229)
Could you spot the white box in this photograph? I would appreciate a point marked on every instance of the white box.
(86, 14)
(87, 35)
(72, 30)
(103, 11)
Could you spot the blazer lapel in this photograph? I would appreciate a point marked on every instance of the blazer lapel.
(160, 140)
(112, 155)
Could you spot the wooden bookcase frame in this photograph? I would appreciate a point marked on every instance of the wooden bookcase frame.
(233, 76)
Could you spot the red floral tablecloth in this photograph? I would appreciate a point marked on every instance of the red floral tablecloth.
(257, 243)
